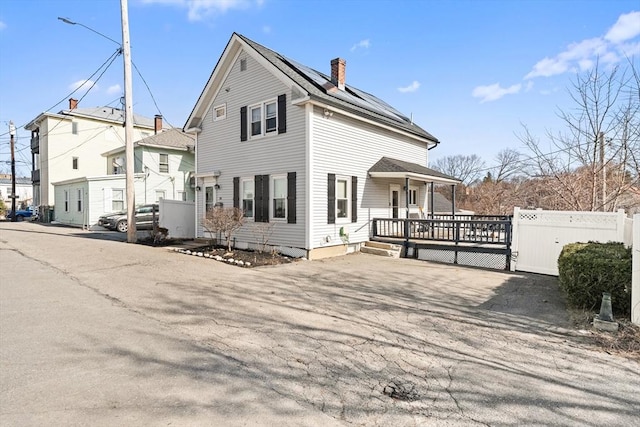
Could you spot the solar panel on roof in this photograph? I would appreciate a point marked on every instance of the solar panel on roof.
(358, 97)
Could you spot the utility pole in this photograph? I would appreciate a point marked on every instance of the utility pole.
(12, 132)
(128, 124)
(603, 169)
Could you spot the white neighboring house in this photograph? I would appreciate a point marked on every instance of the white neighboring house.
(163, 166)
(69, 144)
(303, 153)
(167, 161)
(24, 191)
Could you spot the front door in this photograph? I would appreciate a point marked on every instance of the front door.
(394, 200)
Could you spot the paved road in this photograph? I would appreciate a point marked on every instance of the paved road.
(99, 332)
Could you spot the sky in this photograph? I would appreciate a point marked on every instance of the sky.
(470, 72)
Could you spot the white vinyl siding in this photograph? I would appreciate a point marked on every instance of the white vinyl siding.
(346, 147)
(219, 147)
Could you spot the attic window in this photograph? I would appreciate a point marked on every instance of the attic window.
(74, 128)
(243, 64)
(219, 112)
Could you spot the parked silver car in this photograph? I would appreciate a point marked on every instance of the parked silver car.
(144, 214)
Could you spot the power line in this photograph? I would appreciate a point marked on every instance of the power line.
(109, 61)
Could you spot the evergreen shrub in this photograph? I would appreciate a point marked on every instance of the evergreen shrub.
(586, 270)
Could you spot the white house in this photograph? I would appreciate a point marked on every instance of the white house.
(24, 191)
(311, 156)
(164, 163)
(167, 161)
(69, 144)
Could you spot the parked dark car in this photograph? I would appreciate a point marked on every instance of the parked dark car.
(118, 220)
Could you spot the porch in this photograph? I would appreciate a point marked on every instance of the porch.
(478, 240)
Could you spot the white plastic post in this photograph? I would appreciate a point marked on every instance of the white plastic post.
(635, 275)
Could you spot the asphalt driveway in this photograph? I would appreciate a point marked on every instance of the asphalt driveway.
(355, 340)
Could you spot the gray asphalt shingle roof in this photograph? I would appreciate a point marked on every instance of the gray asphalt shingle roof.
(387, 164)
(353, 100)
(172, 138)
(111, 114)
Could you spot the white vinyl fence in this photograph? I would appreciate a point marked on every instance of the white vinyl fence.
(539, 235)
(635, 280)
(178, 218)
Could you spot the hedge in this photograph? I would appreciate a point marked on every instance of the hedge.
(586, 270)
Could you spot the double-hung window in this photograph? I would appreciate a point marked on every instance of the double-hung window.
(279, 198)
(66, 200)
(266, 118)
(256, 120)
(342, 199)
(265, 197)
(79, 199)
(117, 200)
(164, 163)
(248, 194)
(271, 117)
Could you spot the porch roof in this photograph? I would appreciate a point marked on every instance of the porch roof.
(387, 167)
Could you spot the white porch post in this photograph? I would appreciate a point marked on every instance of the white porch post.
(453, 200)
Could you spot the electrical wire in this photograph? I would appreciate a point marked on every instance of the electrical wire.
(109, 60)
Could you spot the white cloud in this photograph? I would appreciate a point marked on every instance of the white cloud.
(411, 88)
(85, 84)
(2, 25)
(494, 92)
(582, 56)
(197, 10)
(361, 44)
(571, 58)
(626, 27)
(528, 86)
(114, 89)
(266, 29)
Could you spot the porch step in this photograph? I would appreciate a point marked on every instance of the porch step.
(382, 249)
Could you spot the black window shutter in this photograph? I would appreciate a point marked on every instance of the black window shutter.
(243, 123)
(354, 199)
(291, 197)
(282, 113)
(265, 198)
(257, 202)
(331, 199)
(236, 192)
(261, 198)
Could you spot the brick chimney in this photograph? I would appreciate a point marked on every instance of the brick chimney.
(157, 124)
(73, 104)
(338, 72)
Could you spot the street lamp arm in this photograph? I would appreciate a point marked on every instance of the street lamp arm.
(70, 22)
